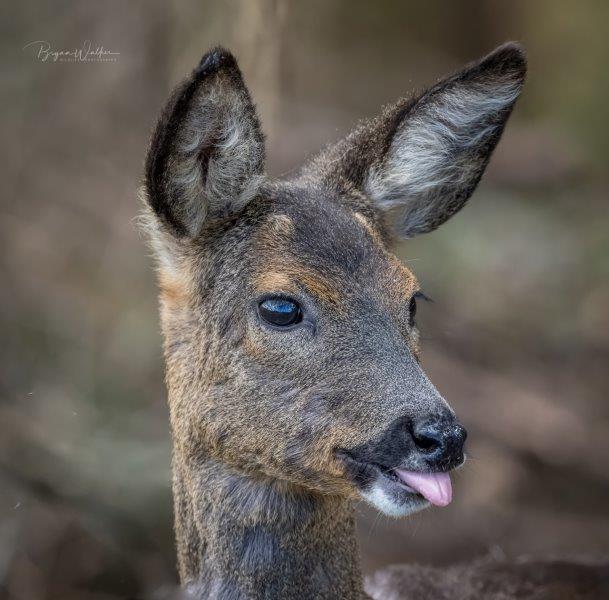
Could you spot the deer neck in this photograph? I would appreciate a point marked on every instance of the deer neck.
(242, 536)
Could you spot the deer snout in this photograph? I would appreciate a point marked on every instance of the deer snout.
(407, 467)
(439, 442)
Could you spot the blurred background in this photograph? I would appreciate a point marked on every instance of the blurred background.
(517, 338)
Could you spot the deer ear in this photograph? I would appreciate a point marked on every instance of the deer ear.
(421, 159)
(206, 156)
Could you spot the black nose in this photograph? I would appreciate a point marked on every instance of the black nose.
(440, 441)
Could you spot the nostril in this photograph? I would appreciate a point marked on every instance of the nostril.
(427, 443)
(427, 438)
(440, 442)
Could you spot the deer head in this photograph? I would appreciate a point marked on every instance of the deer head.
(290, 334)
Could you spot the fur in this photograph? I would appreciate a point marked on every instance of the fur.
(495, 579)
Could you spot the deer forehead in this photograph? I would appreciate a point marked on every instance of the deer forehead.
(295, 253)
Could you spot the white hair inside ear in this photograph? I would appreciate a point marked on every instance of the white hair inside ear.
(441, 148)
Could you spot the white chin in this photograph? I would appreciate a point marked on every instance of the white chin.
(393, 499)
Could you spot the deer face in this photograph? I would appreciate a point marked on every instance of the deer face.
(290, 330)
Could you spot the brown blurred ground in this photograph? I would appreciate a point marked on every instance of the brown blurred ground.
(517, 339)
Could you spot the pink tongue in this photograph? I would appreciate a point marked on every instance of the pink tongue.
(433, 486)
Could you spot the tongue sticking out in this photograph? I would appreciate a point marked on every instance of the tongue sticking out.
(435, 487)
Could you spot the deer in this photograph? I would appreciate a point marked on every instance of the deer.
(293, 367)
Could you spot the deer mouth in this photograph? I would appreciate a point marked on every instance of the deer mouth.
(434, 487)
(397, 485)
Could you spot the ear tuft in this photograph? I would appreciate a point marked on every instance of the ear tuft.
(508, 60)
(215, 60)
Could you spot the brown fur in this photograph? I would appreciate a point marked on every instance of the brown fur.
(495, 579)
(278, 273)
(276, 432)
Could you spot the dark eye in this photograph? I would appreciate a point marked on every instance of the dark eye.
(412, 308)
(280, 312)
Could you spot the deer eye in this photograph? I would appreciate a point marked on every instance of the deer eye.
(412, 307)
(280, 312)
(412, 311)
